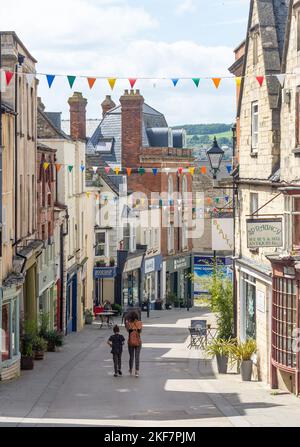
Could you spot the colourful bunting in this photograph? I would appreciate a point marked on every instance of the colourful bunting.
(71, 80)
(217, 199)
(117, 171)
(203, 170)
(9, 76)
(46, 166)
(217, 81)
(208, 200)
(281, 79)
(88, 194)
(192, 171)
(238, 81)
(227, 198)
(129, 170)
(95, 169)
(107, 170)
(70, 168)
(229, 168)
(91, 82)
(196, 81)
(142, 171)
(132, 82)
(30, 78)
(112, 82)
(50, 79)
(58, 167)
(82, 167)
(155, 170)
(260, 80)
(180, 170)
(175, 82)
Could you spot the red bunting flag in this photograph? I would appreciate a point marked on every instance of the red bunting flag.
(260, 80)
(91, 82)
(180, 170)
(132, 82)
(107, 170)
(9, 76)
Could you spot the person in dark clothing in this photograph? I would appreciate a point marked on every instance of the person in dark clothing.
(134, 328)
(116, 343)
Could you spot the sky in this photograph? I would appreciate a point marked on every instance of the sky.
(132, 39)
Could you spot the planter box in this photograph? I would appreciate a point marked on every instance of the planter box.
(39, 355)
(51, 347)
(27, 363)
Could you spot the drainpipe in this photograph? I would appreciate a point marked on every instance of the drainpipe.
(16, 159)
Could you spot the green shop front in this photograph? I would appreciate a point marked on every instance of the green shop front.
(178, 280)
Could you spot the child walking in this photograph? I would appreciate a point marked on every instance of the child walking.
(116, 343)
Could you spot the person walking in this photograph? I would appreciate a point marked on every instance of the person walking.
(134, 328)
(116, 343)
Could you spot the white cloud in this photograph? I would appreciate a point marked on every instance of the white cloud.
(185, 6)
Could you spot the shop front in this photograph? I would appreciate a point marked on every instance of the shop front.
(178, 280)
(47, 292)
(131, 282)
(71, 300)
(151, 278)
(104, 284)
(10, 332)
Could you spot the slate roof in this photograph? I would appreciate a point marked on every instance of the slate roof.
(111, 127)
(281, 8)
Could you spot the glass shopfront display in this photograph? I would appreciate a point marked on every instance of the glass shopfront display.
(250, 306)
(9, 330)
(131, 282)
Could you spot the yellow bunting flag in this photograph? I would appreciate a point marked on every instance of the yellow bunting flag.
(58, 167)
(192, 171)
(112, 82)
(88, 194)
(238, 81)
(46, 166)
(117, 171)
(216, 81)
(129, 170)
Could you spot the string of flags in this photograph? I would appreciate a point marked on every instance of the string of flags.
(71, 79)
(131, 171)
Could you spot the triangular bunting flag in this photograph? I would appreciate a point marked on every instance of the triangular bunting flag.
(208, 200)
(95, 169)
(9, 76)
(175, 82)
(58, 167)
(180, 170)
(91, 82)
(117, 171)
(129, 170)
(82, 167)
(96, 196)
(227, 199)
(196, 81)
(203, 170)
(260, 80)
(155, 170)
(112, 82)
(142, 171)
(238, 81)
(281, 79)
(30, 77)
(46, 166)
(132, 82)
(192, 171)
(107, 169)
(50, 79)
(217, 82)
(71, 80)
(217, 199)
(88, 194)
(70, 168)
(229, 168)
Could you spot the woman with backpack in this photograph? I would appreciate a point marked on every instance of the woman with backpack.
(134, 328)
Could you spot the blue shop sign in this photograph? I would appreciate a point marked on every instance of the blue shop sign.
(105, 272)
(152, 265)
(203, 270)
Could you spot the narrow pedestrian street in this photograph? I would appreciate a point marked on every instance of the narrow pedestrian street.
(177, 386)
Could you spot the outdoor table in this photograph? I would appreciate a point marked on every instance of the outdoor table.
(109, 315)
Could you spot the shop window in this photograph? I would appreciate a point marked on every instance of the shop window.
(253, 204)
(5, 332)
(101, 244)
(284, 321)
(249, 306)
(254, 123)
(292, 223)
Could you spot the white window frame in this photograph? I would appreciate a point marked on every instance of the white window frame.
(254, 121)
(105, 244)
(289, 213)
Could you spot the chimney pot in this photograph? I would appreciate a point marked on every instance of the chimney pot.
(77, 105)
(107, 105)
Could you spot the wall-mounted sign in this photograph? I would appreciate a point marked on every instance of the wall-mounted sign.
(264, 233)
(222, 234)
(105, 272)
(133, 264)
(260, 301)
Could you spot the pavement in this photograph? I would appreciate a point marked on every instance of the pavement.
(177, 386)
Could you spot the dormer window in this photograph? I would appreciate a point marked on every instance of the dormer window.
(105, 145)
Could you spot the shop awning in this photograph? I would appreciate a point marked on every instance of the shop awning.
(133, 264)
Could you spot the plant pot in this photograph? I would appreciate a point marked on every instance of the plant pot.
(222, 362)
(246, 370)
(26, 363)
(39, 355)
(88, 320)
(51, 346)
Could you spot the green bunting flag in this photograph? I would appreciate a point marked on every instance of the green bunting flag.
(142, 171)
(196, 81)
(71, 80)
(70, 168)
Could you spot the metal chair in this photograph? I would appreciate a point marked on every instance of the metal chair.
(198, 333)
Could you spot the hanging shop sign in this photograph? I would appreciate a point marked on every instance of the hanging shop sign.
(222, 234)
(105, 272)
(264, 233)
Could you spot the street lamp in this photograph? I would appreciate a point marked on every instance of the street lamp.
(215, 156)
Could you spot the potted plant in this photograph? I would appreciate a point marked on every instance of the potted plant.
(221, 349)
(39, 347)
(242, 353)
(117, 308)
(181, 304)
(88, 316)
(26, 354)
(158, 304)
(170, 300)
(44, 324)
(54, 339)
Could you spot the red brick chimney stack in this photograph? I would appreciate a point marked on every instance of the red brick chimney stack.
(77, 105)
(107, 105)
(132, 128)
